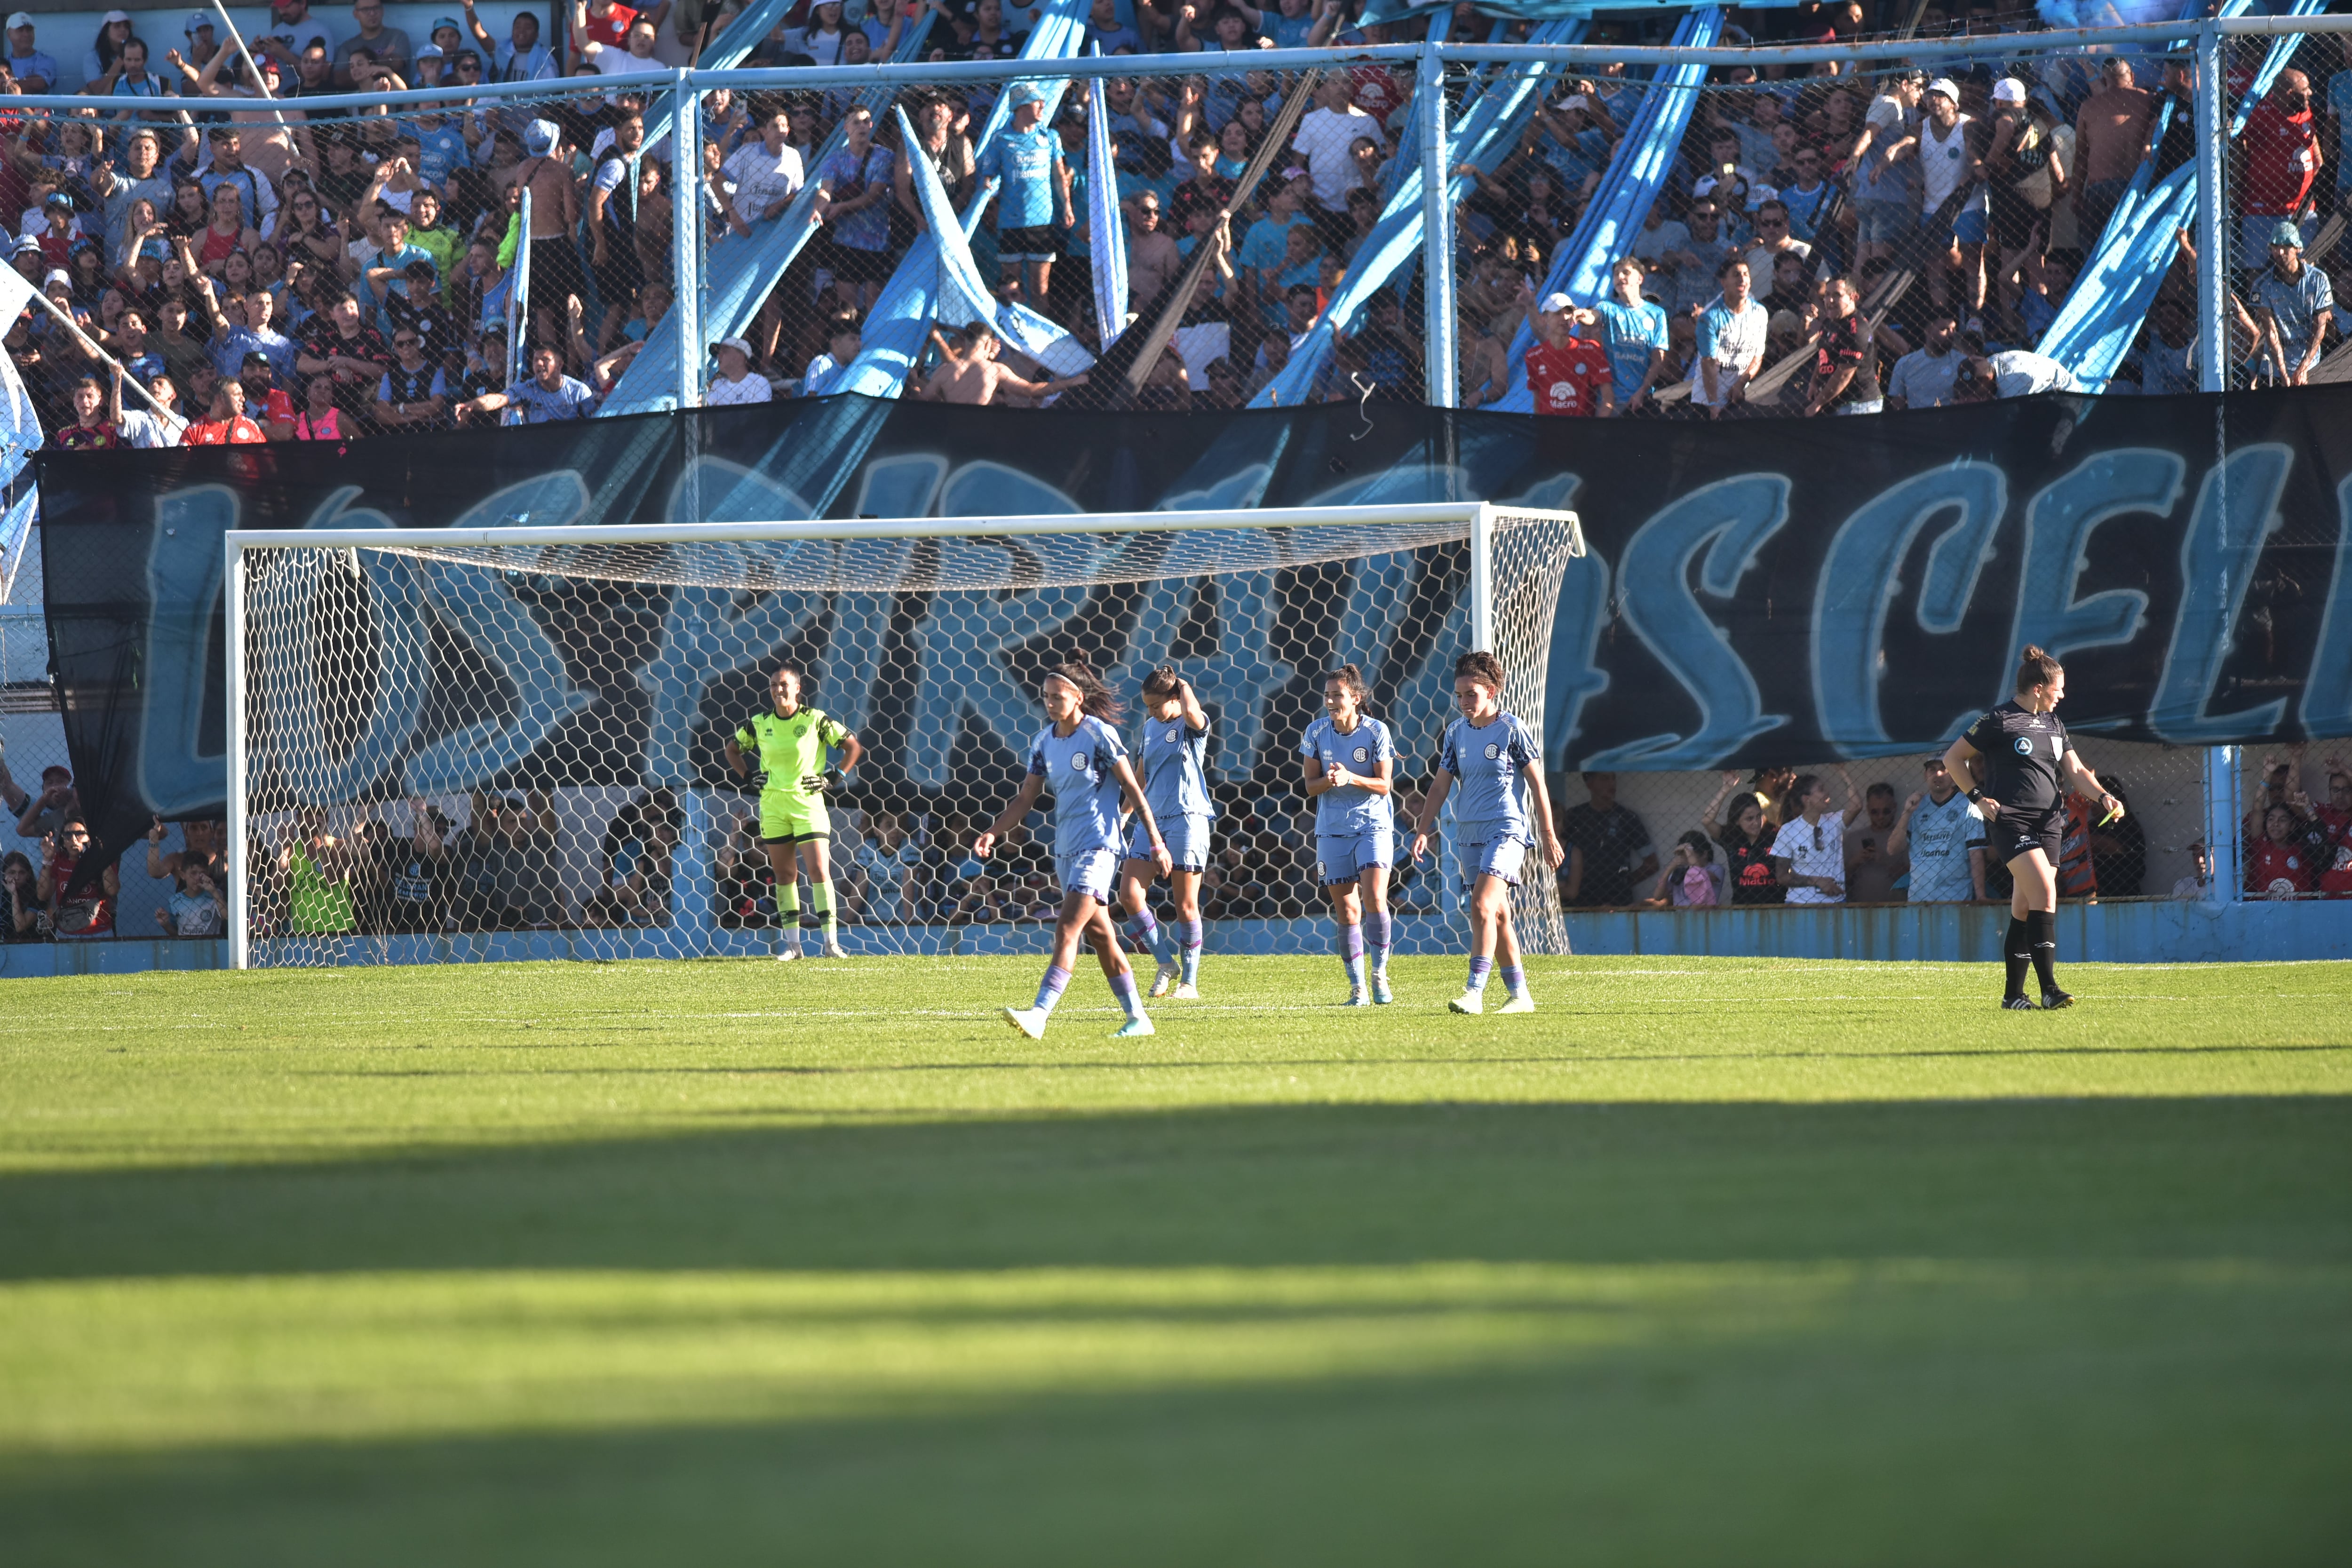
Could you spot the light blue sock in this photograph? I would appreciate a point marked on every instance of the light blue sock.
(1122, 985)
(1478, 968)
(1146, 929)
(1515, 981)
(1057, 981)
(1352, 954)
(1188, 939)
(1376, 937)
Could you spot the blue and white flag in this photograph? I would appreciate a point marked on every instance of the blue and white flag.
(20, 432)
(1106, 236)
(964, 296)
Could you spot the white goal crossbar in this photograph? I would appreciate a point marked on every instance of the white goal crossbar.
(1476, 524)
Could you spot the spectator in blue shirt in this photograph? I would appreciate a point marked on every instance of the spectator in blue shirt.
(1634, 330)
(549, 396)
(34, 71)
(1035, 195)
(2292, 302)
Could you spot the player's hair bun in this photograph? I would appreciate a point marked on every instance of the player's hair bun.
(2035, 668)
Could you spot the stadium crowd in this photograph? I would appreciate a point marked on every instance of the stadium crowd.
(1896, 238)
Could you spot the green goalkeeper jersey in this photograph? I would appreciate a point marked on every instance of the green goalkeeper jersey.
(790, 751)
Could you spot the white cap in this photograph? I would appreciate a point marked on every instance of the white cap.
(2008, 90)
(740, 345)
(429, 52)
(57, 275)
(113, 17)
(1555, 303)
(19, 20)
(1945, 86)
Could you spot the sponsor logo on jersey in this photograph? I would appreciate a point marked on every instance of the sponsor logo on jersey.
(2024, 745)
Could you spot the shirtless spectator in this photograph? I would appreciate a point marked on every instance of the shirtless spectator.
(1152, 258)
(2110, 138)
(976, 378)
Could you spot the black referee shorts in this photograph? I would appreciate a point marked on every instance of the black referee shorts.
(2017, 831)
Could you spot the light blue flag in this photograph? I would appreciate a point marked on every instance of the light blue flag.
(1105, 235)
(2111, 298)
(20, 437)
(1490, 129)
(900, 322)
(1637, 172)
(740, 270)
(964, 296)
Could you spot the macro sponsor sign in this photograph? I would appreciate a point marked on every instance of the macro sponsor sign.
(1754, 591)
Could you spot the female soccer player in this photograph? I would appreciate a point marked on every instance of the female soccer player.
(786, 751)
(1079, 756)
(1176, 782)
(1350, 758)
(2016, 765)
(1491, 754)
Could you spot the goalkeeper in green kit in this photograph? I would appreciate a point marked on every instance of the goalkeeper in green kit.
(786, 751)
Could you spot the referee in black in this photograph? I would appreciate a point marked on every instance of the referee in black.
(2017, 765)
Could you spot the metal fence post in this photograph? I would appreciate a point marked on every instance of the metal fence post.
(2222, 823)
(686, 237)
(1440, 358)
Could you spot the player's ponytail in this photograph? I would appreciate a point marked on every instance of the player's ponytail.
(1348, 676)
(1094, 697)
(1160, 684)
(2035, 668)
(1482, 667)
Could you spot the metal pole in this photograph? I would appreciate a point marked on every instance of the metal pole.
(519, 299)
(240, 901)
(258, 84)
(2223, 823)
(2212, 223)
(1440, 358)
(685, 239)
(65, 318)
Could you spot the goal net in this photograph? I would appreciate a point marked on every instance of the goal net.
(491, 744)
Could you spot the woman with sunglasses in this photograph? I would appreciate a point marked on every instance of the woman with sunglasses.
(305, 226)
(1504, 808)
(75, 913)
(1808, 852)
(2018, 765)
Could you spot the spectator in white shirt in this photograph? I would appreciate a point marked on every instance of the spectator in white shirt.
(1810, 852)
(1327, 140)
(766, 173)
(735, 382)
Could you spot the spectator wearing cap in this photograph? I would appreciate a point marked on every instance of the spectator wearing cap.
(1730, 348)
(197, 30)
(34, 71)
(265, 402)
(735, 382)
(430, 64)
(1951, 193)
(554, 194)
(61, 229)
(2281, 162)
(2110, 139)
(2292, 304)
(519, 57)
(1943, 833)
(386, 47)
(1923, 378)
(1035, 195)
(1325, 141)
(1568, 376)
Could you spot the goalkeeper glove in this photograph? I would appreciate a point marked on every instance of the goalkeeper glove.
(829, 780)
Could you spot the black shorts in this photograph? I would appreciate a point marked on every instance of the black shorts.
(1038, 244)
(2014, 833)
(851, 264)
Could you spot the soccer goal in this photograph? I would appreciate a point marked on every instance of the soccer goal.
(452, 745)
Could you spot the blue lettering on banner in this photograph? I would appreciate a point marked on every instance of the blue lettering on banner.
(2327, 694)
(2236, 511)
(1863, 574)
(2058, 527)
(1732, 520)
(185, 563)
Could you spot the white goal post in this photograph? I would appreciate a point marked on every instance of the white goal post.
(551, 702)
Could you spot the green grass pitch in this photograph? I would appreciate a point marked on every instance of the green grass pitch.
(1706, 1262)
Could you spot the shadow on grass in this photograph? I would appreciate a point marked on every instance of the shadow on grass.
(2244, 1178)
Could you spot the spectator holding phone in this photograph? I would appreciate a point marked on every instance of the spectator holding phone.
(23, 918)
(76, 914)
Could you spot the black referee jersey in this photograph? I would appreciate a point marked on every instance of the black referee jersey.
(2024, 759)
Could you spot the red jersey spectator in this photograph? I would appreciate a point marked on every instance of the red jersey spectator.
(607, 24)
(2078, 878)
(1568, 375)
(2281, 160)
(2278, 865)
(2332, 827)
(76, 912)
(229, 426)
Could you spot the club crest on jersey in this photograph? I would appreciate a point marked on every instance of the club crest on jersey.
(1172, 734)
(1078, 760)
(1493, 751)
(1360, 753)
(2024, 744)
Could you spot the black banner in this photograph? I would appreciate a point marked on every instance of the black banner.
(1773, 589)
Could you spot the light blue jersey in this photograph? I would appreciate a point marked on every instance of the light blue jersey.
(1941, 837)
(1489, 801)
(1080, 769)
(1361, 750)
(1175, 771)
(1025, 161)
